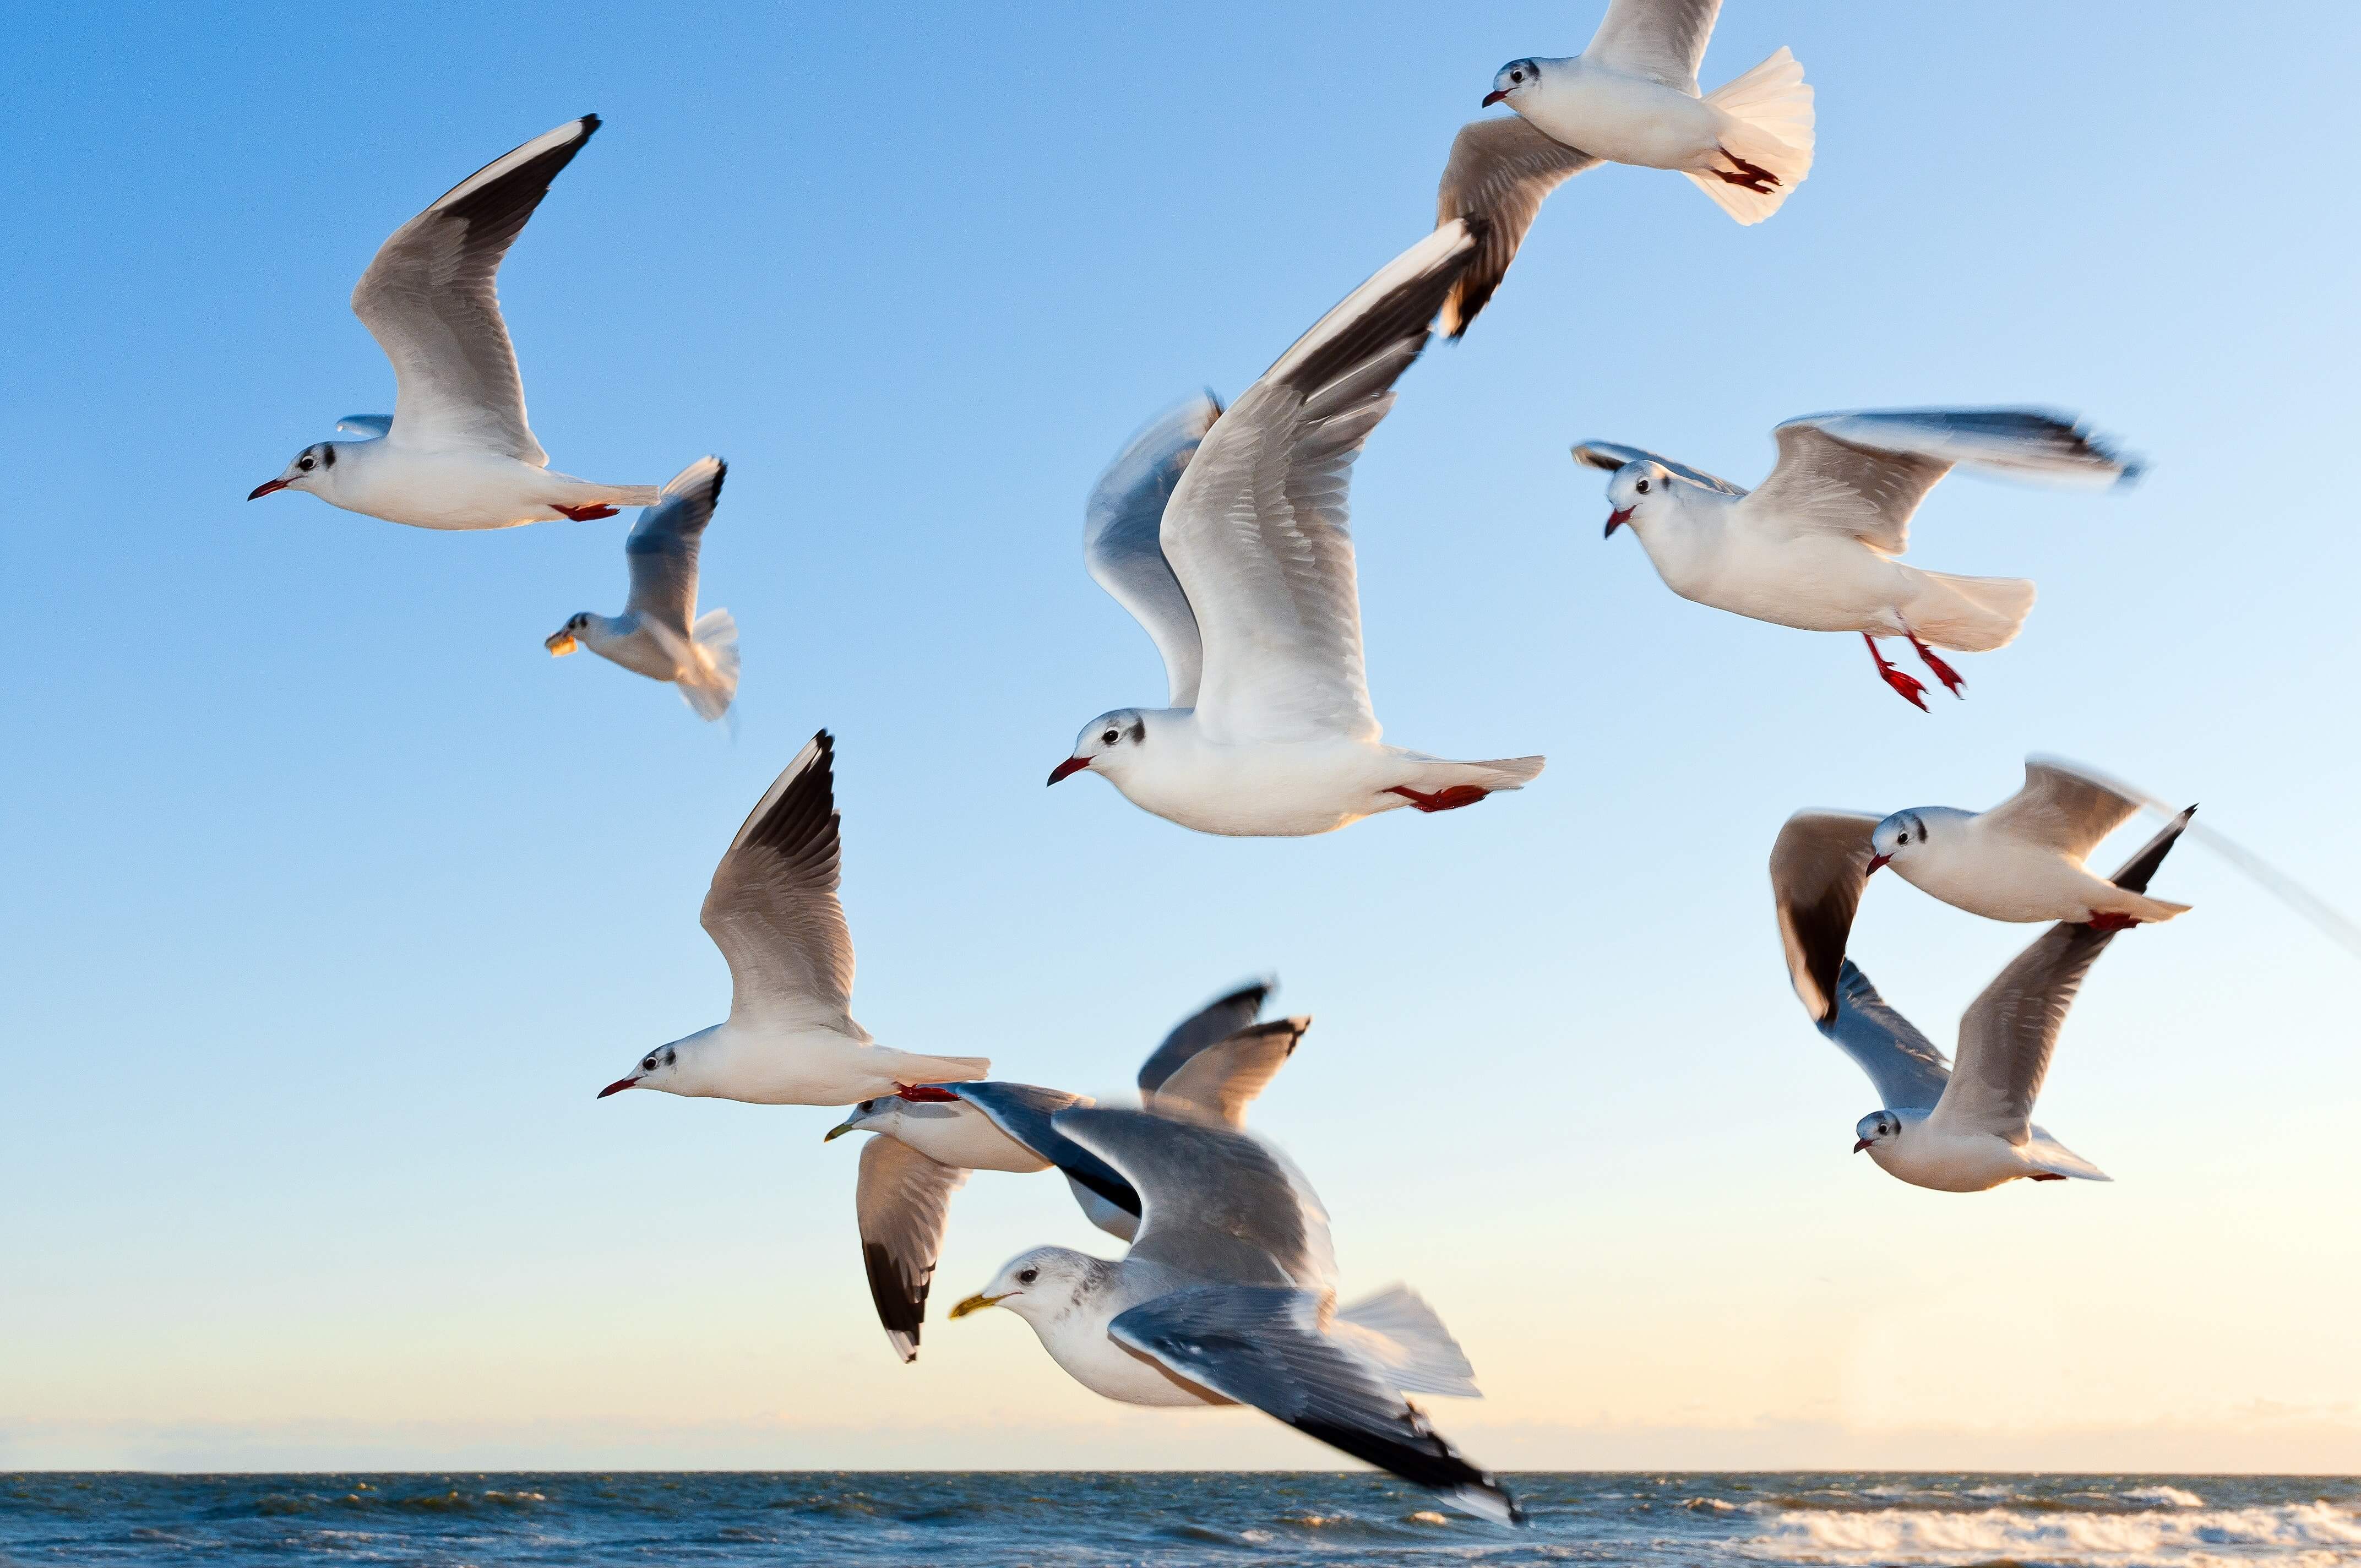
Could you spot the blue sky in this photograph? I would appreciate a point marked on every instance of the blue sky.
(332, 899)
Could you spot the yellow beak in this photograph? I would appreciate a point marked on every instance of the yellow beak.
(561, 644)
(835, 1131)
(974, 1304)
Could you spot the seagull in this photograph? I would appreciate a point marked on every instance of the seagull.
(1225, 534)
(1969, 1127)
(1229, 1297)
(1814, 547)
(773, 911)
(1630, 97)
(456, 452)
(1211, 1065)
(660, 634)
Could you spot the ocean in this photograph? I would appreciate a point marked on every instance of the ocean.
(1171, 1520)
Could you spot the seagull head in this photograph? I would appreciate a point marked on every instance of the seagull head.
(1034, 1285)
(566, 638)
(1512, 80)
(1898, 837)
(312, 470)
(1107, 743)
(660, 1069)
(1874, 1129)
(1637, 491)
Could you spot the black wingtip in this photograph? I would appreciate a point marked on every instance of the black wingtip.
(2134, 877)
(721, 472)
(589, 124)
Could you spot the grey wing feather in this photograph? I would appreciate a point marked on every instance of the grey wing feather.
(2010, 1030)
(429, 298)
(1258, 532)
(1214, 1022)
(365, 424)
(1122, 542)
(1499, 170)
(663, 546)
(2062, 808)
(1215, 1203)
(1611, 455)
(1263, 1345)
(773, 908)
(902, 1203)
(1219, 1082)
(1025, 1112)
(1662, 39)
(1819, 864)
(1904, 1065)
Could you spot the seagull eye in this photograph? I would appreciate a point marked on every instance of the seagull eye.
(305, 464)
(649, 1065)
(1108, 739)
(1027, 1276)
(1644, 487)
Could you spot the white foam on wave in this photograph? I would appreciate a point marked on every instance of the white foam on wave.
(2172, 1495)
(2309, 1535)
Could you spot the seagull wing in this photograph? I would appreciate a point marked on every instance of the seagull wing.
(773, 908)
(1661, 40)
(903, 1201)
(1215, 1203)
(1499, 171)
(1122, 538)
(662, 547)
(1611, 455)
(1025, 1112)
(1256, 533)
(430, 302)
(1219, 1082)
(1903, 1065)
(2063, 809)
(1820, 864)
(1265, 1346)
(1210, 1024)
(2010, 1029)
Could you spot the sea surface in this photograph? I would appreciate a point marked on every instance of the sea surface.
(854, 1520)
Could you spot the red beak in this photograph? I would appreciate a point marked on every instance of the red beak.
(1616, 519)
(1876, 861)
(1859, 1144)
(616, 1087)
(262, 490)
(1492, 98)
(1069, 768)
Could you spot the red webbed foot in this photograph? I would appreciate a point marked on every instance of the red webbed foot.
(924, 1093)
(1752, 176)
(1913, 691)
(584, 514)
(2045, 1176)
(2110, 920)
(1447, 799)
(1943, 672)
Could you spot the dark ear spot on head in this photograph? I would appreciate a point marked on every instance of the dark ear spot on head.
(328, 456)
(1138, 730)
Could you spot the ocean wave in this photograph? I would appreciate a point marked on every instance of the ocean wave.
(2172, 1495)
(2313, 1534)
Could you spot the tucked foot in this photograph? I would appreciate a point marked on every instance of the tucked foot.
(2112, 920)
(584, 514)
(924, 1093)
(2045, 1176)
(1913, 691)
(1753, 175)
(1943, 672)
(1448, 799)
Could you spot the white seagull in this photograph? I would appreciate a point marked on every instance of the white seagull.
(1815, 548)
(1630, 97)
(1229, 1297)
(1967, 1126)
(456, 452)
(928, 1137)
(660, 635)
(1245, 579)
(773, 911)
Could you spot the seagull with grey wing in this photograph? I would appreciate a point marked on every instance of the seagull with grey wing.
(1226, 534)
(660, 635)
(1228, 1296)
(929, 1137)
(456, 452)
(1631, 96)
(1967, 1126)
(1817, 546)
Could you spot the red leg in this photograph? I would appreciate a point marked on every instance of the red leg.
(2108, 920)
(584, 514)
(1447, 799)
(924, 1093)
(1943, 672)
(2045, 1176)
(1753, 175)
(1908, 686)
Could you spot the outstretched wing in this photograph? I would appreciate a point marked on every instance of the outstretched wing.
(1210, 1024)
(1661, 40)
(1263, 1345)
(1256, 533)
(1499, 172)
(2063, 809)
(902, 1202)
(773, 908)
(1611, 455)
(429, 300)
(1122, 538)
(1219, 1082)
(662, 547)
(1025, 1112)
(1215, 1203)
(1903, 1065)
(1820, 864)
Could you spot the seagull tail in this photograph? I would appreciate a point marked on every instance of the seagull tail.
(1766, 138)
(1973, 615)
(713, 685)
